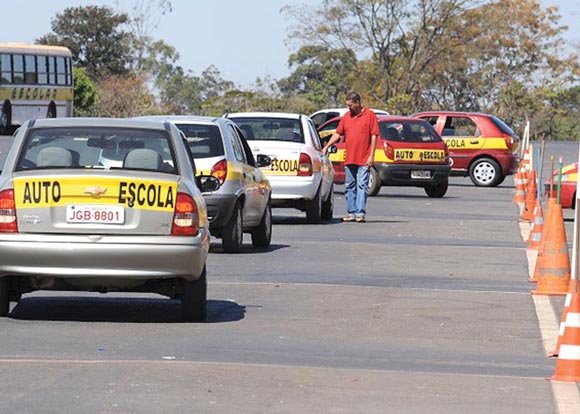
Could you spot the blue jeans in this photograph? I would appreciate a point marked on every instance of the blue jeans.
(356, 182)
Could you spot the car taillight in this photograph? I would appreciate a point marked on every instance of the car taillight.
(185, 216)
(220, 171)
(389, 150)
(8, 212)
(304, 165)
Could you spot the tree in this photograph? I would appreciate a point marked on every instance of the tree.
(85, 93)
(95, 37)
(123, 97)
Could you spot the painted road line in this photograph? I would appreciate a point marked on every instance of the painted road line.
(566, 396)
(549, 326)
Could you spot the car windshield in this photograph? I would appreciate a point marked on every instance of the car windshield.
(271, 129)
(204, 140)
(408, 131)
(97, 147)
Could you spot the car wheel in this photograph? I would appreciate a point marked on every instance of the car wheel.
(5, 118)
(485, 172)
(328, 205)
(437, 191)
(314, 209)
(262, 234)
(374, 183)
(232, 232)
(194, 299)
(4, 297)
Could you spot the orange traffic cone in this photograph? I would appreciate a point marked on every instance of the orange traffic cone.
(537, 227)
(549, 209)
(554, 264)
(528, 213)
(567, 304)
(520, 195)
(568, 364)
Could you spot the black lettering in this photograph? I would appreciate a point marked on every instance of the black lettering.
(159, 202)
(36, 193)
(45, 185)
(28, 90)
(151, 195)
(132, 193)
(27, 198)
(35, 93)
(54, 91)
(141, 199)
(14, 93)
(122, 191)
(169, 198)
(56, 192)
(20, 93)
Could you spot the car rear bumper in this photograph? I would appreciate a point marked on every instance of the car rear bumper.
(293, 188)
(400, 174)
(219, 208)
(103, 257)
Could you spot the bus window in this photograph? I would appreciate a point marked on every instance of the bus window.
(6, 68)
(42, 65)
(30, 69)
(18, 68)
(52, 70)
(60, 71)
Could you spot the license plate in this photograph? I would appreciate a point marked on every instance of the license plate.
(97, 214)
(421, 174)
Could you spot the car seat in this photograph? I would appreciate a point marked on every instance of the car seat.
(143, 159)
(54, 157)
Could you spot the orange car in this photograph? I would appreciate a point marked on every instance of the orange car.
(481, 146)
(409, 153)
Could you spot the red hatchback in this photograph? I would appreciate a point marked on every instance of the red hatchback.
(409, 153)
(481, 146)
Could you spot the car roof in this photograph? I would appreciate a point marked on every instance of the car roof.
(264, 115)
(381, 118)
(99, 122)
(185, 119)
(456, 113)
(343, 111)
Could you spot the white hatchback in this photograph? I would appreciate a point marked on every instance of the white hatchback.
(301, 176)
(320, 117)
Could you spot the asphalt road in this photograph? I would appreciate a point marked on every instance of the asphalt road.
(424, 308)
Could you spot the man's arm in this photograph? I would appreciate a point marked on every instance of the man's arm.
(371, 159)
(333, 139)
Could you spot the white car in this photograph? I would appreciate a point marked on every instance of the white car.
(320, 117)
(301, 176)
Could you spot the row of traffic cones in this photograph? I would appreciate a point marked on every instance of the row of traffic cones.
(552, 273)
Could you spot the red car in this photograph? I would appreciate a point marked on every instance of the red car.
(409, 153)
(568, 186)
(481, 146)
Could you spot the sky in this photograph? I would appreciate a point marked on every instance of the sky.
(244, 39)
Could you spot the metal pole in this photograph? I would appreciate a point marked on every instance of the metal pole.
(560, 160)
(540, 169)
(551, 175)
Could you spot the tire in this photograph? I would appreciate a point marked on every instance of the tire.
(437, 191)
(4, 297)
(194, 299)
(485, 172)
(5, 119)
(328, 205)
(262, 234)
(314, 209)
(374, 183)
(233, 232)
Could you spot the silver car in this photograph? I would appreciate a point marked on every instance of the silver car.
(69, 221)
(300, 174)
(242, 203)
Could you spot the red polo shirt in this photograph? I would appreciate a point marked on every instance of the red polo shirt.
(357, 131)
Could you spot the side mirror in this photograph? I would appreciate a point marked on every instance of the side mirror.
(263, 161)
(332, 149)
(207, 183)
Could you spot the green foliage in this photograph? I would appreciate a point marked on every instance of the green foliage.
(95, 37)
(85, 93)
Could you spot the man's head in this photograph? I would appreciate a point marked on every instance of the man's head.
(353, 103)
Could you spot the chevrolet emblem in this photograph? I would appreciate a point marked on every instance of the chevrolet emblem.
(95, 191)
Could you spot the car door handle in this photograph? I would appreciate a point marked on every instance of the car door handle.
(474, 142)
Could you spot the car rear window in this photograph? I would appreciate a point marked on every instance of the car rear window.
(502, 126)
(408, 131)
(97, 147)
(204, 140)
(271, 129)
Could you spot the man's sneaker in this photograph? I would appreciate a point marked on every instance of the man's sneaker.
(350, 217)
(360, 219)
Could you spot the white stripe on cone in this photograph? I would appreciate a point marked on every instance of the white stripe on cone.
(571, 352)
(573, 320)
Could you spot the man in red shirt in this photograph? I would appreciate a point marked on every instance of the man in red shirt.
(361, 129)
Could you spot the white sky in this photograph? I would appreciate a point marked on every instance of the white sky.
(244, 39)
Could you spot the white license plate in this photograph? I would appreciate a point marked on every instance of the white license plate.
(421, 174)
(89, 213)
